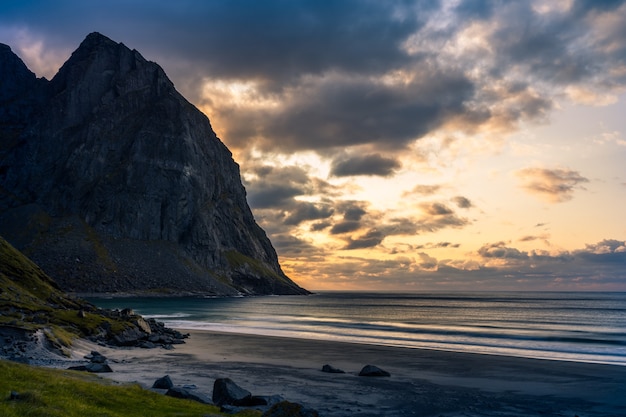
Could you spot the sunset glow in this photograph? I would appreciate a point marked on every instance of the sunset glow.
(399, 145)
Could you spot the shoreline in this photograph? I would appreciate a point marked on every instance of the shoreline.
(563, 358)
(423, 381)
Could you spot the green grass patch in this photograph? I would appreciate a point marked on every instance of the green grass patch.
(59, 393)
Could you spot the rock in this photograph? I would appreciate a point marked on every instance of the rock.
(289, 409)
(96, 357)
(163, 383)
(371, 370)
(179, 392)
(107, 163)
(225, 391)
(142, 324)
(98, 368)
(92, 367)
(147, 345)
(332, 370)
(129, 337)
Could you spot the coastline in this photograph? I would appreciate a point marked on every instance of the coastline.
(423, 382)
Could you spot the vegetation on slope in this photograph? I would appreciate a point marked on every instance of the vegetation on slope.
(30, 300)
(53, 392)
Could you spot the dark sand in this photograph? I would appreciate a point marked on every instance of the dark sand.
(422, 382)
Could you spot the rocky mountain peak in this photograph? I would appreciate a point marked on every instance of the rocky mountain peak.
(120, 183)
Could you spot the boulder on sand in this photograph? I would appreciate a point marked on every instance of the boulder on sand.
(225, 391)
(289, 409)
(332, 369)
(180, 392)
(371, 370)
(163, 383)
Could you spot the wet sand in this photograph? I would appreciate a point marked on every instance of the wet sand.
(422, 382)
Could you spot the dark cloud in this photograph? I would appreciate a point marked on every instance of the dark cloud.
(586, 6)
(608, 250)
(555, 185)
(352, 210)
(343, 111)
(427, 262)
(345, 227)
(531, 238)
(543, 44)
(500, 250)
(277, 187)
(352, 72)
(271, 195)
(369, 240)
(438, 245)
(370, 164)
(462, 202)
(304, 211)
(292, 247)
(319, 226)
(436, 209)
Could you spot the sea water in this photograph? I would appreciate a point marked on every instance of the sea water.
(585, 327)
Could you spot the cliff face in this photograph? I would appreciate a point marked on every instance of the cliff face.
(111, 181)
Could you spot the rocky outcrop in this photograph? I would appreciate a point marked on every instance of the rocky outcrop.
(111, 181)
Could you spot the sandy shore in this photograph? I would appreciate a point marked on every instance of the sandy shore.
(422, 382)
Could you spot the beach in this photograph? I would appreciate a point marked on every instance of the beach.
(422, 383)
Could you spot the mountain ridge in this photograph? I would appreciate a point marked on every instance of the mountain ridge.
(113, 182)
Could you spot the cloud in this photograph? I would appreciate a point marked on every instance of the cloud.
(462, 202)
(436, 209)
(368, 240)
(292, 247)
(370, 164)
(306, 75)
(532, 238)
(553, 185)
(438, 245)
(343, 110)
(304, 211)
(500, 250)
(423, 189)
(345, 227)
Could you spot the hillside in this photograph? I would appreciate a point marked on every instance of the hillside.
(35, 313)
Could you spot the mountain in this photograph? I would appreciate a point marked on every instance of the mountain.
(112, 182)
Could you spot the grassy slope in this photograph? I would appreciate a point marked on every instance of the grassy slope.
(30, 300)
(53, 392)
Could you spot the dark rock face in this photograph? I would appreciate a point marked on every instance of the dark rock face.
(111, 181)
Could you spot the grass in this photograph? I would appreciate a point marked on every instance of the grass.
(59, 393)
(30, 299)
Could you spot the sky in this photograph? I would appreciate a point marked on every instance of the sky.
(397, 145)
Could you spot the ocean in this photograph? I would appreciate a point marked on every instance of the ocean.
(583, 327)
